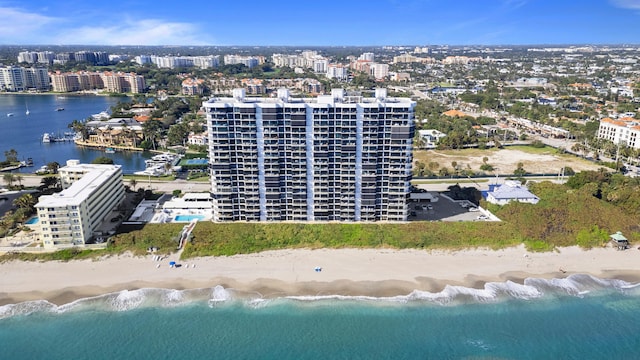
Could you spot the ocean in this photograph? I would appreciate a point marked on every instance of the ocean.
(580, 317)
(24, 132)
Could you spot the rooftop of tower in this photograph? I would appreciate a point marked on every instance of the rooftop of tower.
(338, 96)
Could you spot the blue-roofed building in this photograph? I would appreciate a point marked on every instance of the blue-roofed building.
(511, 190)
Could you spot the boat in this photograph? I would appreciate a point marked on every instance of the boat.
(46, 138)
(28, 162)
(110, 150)
(163, 157)
(9, 114)
(151, 171)
(27, 112)
(160, 160)
(59, 109)
(103, 115)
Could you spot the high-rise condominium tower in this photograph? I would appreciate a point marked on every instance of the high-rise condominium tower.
(336, 157)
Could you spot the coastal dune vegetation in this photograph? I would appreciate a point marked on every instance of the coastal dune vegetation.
(584, 212)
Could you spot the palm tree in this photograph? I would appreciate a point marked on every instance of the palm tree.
(11, 155)
(167, 168)
(53, 167)
(133, 183)
(49, 181)
(151, 131)
(19, 179)
(25, 201)
(8, 179)
(80, 127)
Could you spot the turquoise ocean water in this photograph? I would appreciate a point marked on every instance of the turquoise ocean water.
(580, 317)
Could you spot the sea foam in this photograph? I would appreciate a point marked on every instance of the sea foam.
(577, 285)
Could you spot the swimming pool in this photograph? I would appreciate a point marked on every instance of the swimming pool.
(34, 220)
(187, 218)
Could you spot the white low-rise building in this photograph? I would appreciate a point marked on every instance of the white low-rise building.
(73, 216)
(198, 139)
(431, 137)
(622, 131)
(200, 203)
(511, 190)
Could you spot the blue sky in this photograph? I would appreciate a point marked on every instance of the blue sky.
(321, 23)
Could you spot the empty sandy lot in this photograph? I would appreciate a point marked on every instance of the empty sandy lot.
(505, 161)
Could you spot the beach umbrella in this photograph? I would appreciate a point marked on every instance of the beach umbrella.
(172, 263)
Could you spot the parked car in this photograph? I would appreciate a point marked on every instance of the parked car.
(429, 207)
(413, 213)
(473, 209)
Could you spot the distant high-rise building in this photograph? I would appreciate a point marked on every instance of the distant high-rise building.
(46, 57)
(379, 71)
(37, 79)
(30, 57)
(143, 59)
(64, 57)
(12, 78)
(337, 71)
(15, 78)
(248, 61)
(336, 157)
(368, 56)
(85, 56)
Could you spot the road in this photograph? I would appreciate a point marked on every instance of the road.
(160, 186)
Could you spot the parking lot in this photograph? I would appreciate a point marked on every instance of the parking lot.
(442, 208)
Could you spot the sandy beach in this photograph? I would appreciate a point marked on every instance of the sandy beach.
(370, 272)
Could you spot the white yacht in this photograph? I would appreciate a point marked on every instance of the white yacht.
(163, 157)
(101, 116)
(46, 138)
(151, 171)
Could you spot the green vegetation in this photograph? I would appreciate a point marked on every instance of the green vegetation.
(571, 217)
(583, 212)
(102, 160)
(162, 236)
(210, 239)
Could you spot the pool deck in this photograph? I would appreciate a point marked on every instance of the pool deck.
(167, 216)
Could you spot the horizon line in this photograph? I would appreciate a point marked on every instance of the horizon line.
(356, 45)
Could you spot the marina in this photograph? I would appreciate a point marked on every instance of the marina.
(65, 137)
(160, 165)
(25, 133)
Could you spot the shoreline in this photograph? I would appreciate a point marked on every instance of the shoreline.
(348, 272)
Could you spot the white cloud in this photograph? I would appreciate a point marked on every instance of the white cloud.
(627, 4)
(19, 26)
(136, 32)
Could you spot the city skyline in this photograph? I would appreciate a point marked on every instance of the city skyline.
(365, 23)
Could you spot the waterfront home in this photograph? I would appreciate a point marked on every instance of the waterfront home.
(115, 132)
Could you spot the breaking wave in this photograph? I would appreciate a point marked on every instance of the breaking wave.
(577, 285)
